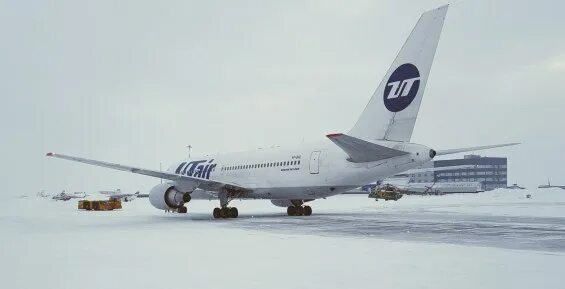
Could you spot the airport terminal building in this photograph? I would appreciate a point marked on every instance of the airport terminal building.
(491, 172)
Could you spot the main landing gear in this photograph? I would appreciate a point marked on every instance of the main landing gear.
(299, 211)
(224, 212)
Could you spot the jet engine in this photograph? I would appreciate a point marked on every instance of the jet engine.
(166, 196)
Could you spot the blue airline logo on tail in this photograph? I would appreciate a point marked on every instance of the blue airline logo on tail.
(401, 87)
(196, 169)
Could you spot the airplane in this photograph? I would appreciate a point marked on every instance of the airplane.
(63, 196)
(549, 185)
(42, 194)
(377, 146)
(118, 195)
(515, 186)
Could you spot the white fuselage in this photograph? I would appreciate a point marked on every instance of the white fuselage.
(307, 171)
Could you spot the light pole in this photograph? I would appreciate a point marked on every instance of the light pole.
(189, 148)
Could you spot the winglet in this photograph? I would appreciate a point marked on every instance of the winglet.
(332, 135)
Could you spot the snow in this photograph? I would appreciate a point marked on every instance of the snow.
(495, 239)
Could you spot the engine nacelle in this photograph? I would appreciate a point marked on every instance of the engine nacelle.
(166, 196)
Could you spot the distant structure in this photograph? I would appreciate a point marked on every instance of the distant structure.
(490, 172)
(515, 187)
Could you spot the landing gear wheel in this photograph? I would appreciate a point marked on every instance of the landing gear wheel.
(216, 213)
(225, 212)
(307, 211)
(299, 211)
(291, 211)
(182, 210)
(186, 198)
(233, 212)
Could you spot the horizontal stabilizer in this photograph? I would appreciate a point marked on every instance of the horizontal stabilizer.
(436, 169)
(361, 151)
(470, 149)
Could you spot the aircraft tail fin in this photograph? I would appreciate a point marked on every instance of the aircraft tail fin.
(391, 113)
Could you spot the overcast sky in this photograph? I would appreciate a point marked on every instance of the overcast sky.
(134, 82)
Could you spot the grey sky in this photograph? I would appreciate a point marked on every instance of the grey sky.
(136, 81)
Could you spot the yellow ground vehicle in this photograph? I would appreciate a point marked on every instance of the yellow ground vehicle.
(386, 192)
(106, 205)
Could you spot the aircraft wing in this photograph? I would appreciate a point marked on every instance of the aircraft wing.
(204, 184)
(115, 194)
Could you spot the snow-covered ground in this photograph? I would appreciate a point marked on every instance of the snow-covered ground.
(495, 239)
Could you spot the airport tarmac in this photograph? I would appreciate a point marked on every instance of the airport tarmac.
(495, 239)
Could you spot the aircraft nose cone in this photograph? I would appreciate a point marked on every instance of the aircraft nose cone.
(432, 153)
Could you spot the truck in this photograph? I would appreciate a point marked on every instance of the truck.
(100, 205)
(386, 192)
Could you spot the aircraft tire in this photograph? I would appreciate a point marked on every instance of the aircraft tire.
(224, 213)
(182, 210)
(307, 210)
(299, 211)
(216, 213)
(291, 211)
(233, 212)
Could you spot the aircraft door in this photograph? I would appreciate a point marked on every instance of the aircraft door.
(315, 162)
